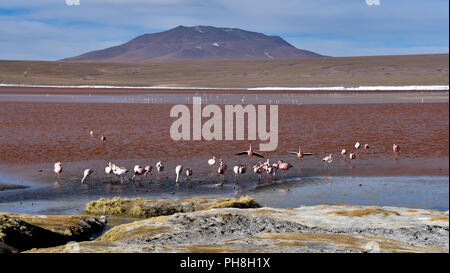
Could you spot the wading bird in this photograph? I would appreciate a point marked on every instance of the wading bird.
(221, 170)
(86, 173)
(352, 156)
(138, 170)
(300, 154)
(328, 159)
(109, 169)
(239, 170)
(188, 173)
(148, 169)
(159, 166)
(258, 169)
(178, 170)
(284, 166)
(357, 145)
(103, 138)
(366, 147)
(119, 171)
(57, 169)
(396, 148)
(250, 152)
(343, 152)
(212, 161)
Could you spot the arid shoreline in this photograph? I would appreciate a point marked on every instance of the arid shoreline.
(428, 69)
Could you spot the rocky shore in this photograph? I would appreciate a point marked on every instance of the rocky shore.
(229, 225)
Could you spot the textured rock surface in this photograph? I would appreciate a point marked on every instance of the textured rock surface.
(25, 231)
(304, 229)
(145, 208)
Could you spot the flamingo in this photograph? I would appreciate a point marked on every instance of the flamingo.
(138, 170)
(178, 170)
(86, 173)
(396, 148)
(250, 152)
(328, 159)
(221, 170)
(109, 169)
(284, 166)
(57, 168)
(212, 161)
(188, 172)
(148, 169)
(159, 166)
(119, 171)
(239, 170)
(258, 169)
(300, 154)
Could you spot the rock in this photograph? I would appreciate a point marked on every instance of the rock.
(304, 229)
(145, 208)
(25, 231)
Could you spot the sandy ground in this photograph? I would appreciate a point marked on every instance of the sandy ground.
(336, 71)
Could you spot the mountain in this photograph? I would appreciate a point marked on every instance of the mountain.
(199, 42)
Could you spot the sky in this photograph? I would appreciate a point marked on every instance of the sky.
(56, 29)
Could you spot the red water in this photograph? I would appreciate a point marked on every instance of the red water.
(33, 132)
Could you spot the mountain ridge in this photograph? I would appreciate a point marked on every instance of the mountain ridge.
(198, 42)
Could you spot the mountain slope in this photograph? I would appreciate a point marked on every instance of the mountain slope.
(199, 42)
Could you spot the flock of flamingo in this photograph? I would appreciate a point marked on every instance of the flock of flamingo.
(258, 168)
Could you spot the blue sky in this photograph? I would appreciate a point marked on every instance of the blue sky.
(51, 29)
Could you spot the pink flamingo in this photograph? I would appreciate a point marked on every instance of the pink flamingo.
(284, 166)
(250, 152)
(221, 170)
(148, 169)
(300, 154)
(258, 169)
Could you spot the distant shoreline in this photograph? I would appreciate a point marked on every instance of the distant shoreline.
(364, 88)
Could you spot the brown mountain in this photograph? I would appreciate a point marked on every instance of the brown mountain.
(199, 42)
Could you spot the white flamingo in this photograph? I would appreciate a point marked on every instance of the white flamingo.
(178, 170)
(86, 173)
(396, 148)
(188, 173)
(328, 159)
(58, 169)
(212, 161)
(109, 169)
(138, 170)
(119, 171)
(159, 166)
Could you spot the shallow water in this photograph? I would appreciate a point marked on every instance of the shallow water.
(38, 130)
